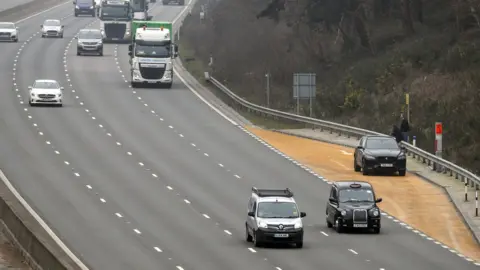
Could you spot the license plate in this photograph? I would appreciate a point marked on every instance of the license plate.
(360, 225)
(281, 235)
(151, 82)
(386, 165)
(114, 38)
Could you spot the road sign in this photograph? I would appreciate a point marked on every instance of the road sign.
(304, 87)
(407, 99)
(438, 139)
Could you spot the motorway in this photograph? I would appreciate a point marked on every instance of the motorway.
(156, 179)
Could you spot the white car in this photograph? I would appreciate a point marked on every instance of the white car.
(8, 31)
(52, 28)
(45, 92)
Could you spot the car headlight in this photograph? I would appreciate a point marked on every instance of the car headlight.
(344, 213)
(402, 156)
(375, 212)
(168, 74)
(298, 225)
(262, 224)
(91, 7)
(59, 95)
(368, 157)
(32, 94)
(76, 7)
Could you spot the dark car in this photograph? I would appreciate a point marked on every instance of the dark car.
(353, 205)
(379, 154)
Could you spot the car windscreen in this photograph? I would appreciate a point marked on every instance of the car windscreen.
(355, 195)
(46, 85)
(152, 51)
(90, 35)
(51, 23)
(7, 26)
(383, 143)
(85, 2)
(277, 210)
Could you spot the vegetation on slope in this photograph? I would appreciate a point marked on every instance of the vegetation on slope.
(366, 53)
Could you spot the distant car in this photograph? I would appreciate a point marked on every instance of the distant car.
(179, 2)
(273, 217)
(52, 28)
(353, 205)
(8, 31)
(45, 92)
(377, 153)
(89, 41)
(85, 7)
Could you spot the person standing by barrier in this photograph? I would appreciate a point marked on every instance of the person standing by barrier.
(397, 134)
(405, 128)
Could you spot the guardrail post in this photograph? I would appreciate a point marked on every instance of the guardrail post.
(466, 189)
(476, 202)
(414, 142)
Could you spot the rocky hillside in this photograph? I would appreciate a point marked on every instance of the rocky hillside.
(366, 53)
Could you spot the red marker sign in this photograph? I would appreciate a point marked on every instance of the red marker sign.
(438, 128)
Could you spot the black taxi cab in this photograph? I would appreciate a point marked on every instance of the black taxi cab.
(353, 204)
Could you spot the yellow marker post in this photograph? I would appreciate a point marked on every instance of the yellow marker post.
(407, 102)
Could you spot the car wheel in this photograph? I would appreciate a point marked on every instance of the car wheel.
(355, 165)
(30, 103)
(364, 168)
(248, 237)
(60, 105)
(299, 244)
(61, 36)
(376, 230)
(76, 15)
(16, 40)
(134, 85)
(256, 243)
(338, 228)
(402, 172)
(43, 36)
(100, 53)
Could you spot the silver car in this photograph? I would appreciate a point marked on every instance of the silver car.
(89, 41)
(8, 31)
(52, 28)
(47, 92)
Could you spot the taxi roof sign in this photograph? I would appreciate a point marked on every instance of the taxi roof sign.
(355, 185)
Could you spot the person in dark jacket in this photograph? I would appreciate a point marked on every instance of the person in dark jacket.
(397, 134)
(404, 128)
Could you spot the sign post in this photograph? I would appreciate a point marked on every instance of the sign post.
(438, 141)
(438, 138)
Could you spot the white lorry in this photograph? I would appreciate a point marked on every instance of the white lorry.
(151, 54)
(115, 20)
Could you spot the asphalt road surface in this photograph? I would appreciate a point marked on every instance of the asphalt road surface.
(7, 4)
(156, 179)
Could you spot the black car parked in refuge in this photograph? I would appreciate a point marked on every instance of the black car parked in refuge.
(353, 205)
(377, 153)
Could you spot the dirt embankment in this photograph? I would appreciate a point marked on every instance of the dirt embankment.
(367, 55)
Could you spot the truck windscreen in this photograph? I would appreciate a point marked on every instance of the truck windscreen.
(138, 5)
(115, 12)
(152, 51)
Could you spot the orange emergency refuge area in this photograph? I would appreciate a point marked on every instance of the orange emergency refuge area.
(410, 199)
